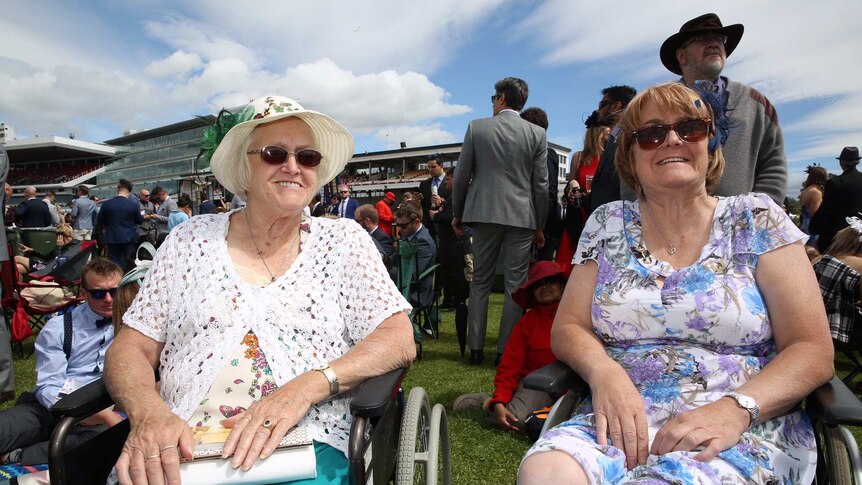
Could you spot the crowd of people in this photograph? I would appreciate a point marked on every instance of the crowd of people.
(666, 274)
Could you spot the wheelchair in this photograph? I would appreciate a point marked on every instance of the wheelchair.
(831, 407)
(391, 439)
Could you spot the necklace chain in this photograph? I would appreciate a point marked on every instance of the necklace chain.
(260, 253)
(671, 247)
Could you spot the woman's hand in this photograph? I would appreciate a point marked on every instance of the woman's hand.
(504, 418)
(716, 427)
(249, 439)
(619, 412)
(150, 453)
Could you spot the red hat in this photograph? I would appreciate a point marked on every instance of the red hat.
(523, 296)
(390, 196)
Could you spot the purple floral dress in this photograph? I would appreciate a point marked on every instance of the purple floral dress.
(686, 343)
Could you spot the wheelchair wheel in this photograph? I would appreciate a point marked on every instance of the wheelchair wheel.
(839, 450)
(423, 442)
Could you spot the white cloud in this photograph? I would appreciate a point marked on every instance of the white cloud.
(368, 36)
(416, 136)
(177, 64)
(791, 50)
(207, 41)
(367, 66)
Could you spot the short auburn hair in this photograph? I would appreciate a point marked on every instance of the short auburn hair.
(675, 97)
(409, 209)
(100, 266)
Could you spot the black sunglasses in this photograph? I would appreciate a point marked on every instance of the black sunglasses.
(276, 155)
(494, 97)
(689, 131)
(99, 294)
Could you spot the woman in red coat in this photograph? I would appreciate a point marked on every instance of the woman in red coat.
(528, 349)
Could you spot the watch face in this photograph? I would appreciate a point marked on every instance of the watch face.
(745, 401)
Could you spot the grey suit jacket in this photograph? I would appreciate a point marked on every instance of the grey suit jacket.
(502, 173)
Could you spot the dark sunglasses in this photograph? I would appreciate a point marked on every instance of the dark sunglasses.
(494, 97)
(99, 294)
(689, 131)
(276, 155)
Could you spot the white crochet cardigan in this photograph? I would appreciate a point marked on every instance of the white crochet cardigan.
(335, 293)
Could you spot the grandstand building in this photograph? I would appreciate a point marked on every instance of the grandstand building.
(53, 163)
(167, 156)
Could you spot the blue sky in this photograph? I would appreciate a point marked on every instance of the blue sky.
(395, 71)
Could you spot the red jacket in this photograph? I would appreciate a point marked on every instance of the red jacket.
(528, 349)
(385, 217)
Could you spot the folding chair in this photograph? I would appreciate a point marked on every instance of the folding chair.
(408, 280)
(43, 240)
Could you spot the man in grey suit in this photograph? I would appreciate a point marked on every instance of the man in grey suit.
(160, 196)
(501, 190)
(7, 381)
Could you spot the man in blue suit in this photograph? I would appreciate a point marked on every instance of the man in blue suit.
(408, 217)
(347, 206)
(119, 219)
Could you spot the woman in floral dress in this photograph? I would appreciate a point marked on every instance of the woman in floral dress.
(696, 321)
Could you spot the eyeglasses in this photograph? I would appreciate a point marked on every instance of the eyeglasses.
(689, 131)
(493, 97)
(344, 192)
(99, 294)
(605, 102)
(276, 155)
(706, 39)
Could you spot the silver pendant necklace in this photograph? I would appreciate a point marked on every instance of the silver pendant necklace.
(671, 247)
(260, 253)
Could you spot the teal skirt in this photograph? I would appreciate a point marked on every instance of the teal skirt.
(332, 467)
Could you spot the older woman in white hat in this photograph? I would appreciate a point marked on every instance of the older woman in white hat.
(258, 319)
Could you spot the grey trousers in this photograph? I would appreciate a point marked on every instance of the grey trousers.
(489, 240)
(524, 401)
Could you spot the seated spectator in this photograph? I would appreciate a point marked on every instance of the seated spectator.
(245, 297)
(839, 272)
(182, 213)
(65, 243)
(408, 219)
(68, 356)
(691, 317)
(366, 216)
(528, 349)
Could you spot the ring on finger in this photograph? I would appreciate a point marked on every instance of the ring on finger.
(267, 423)
(157, 455)
(169, 447)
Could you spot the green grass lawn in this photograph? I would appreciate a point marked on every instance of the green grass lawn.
(480, 453)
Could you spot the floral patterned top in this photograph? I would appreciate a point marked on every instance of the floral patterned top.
(702, 333)
(196, 301)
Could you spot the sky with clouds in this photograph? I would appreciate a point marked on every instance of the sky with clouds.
(416, 72)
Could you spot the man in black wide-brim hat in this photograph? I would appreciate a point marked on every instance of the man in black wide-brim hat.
(753, 144)
(842, 198)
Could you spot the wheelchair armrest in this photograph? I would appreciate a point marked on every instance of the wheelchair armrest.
(555, 378)
(835, 404)
(373, 394)
(84, 402)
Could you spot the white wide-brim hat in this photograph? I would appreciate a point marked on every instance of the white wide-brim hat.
(332, 140)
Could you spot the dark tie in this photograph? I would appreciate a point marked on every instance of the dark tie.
(100, 323)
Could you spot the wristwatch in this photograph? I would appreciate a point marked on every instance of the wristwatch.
(332, 378)
(746, 402)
